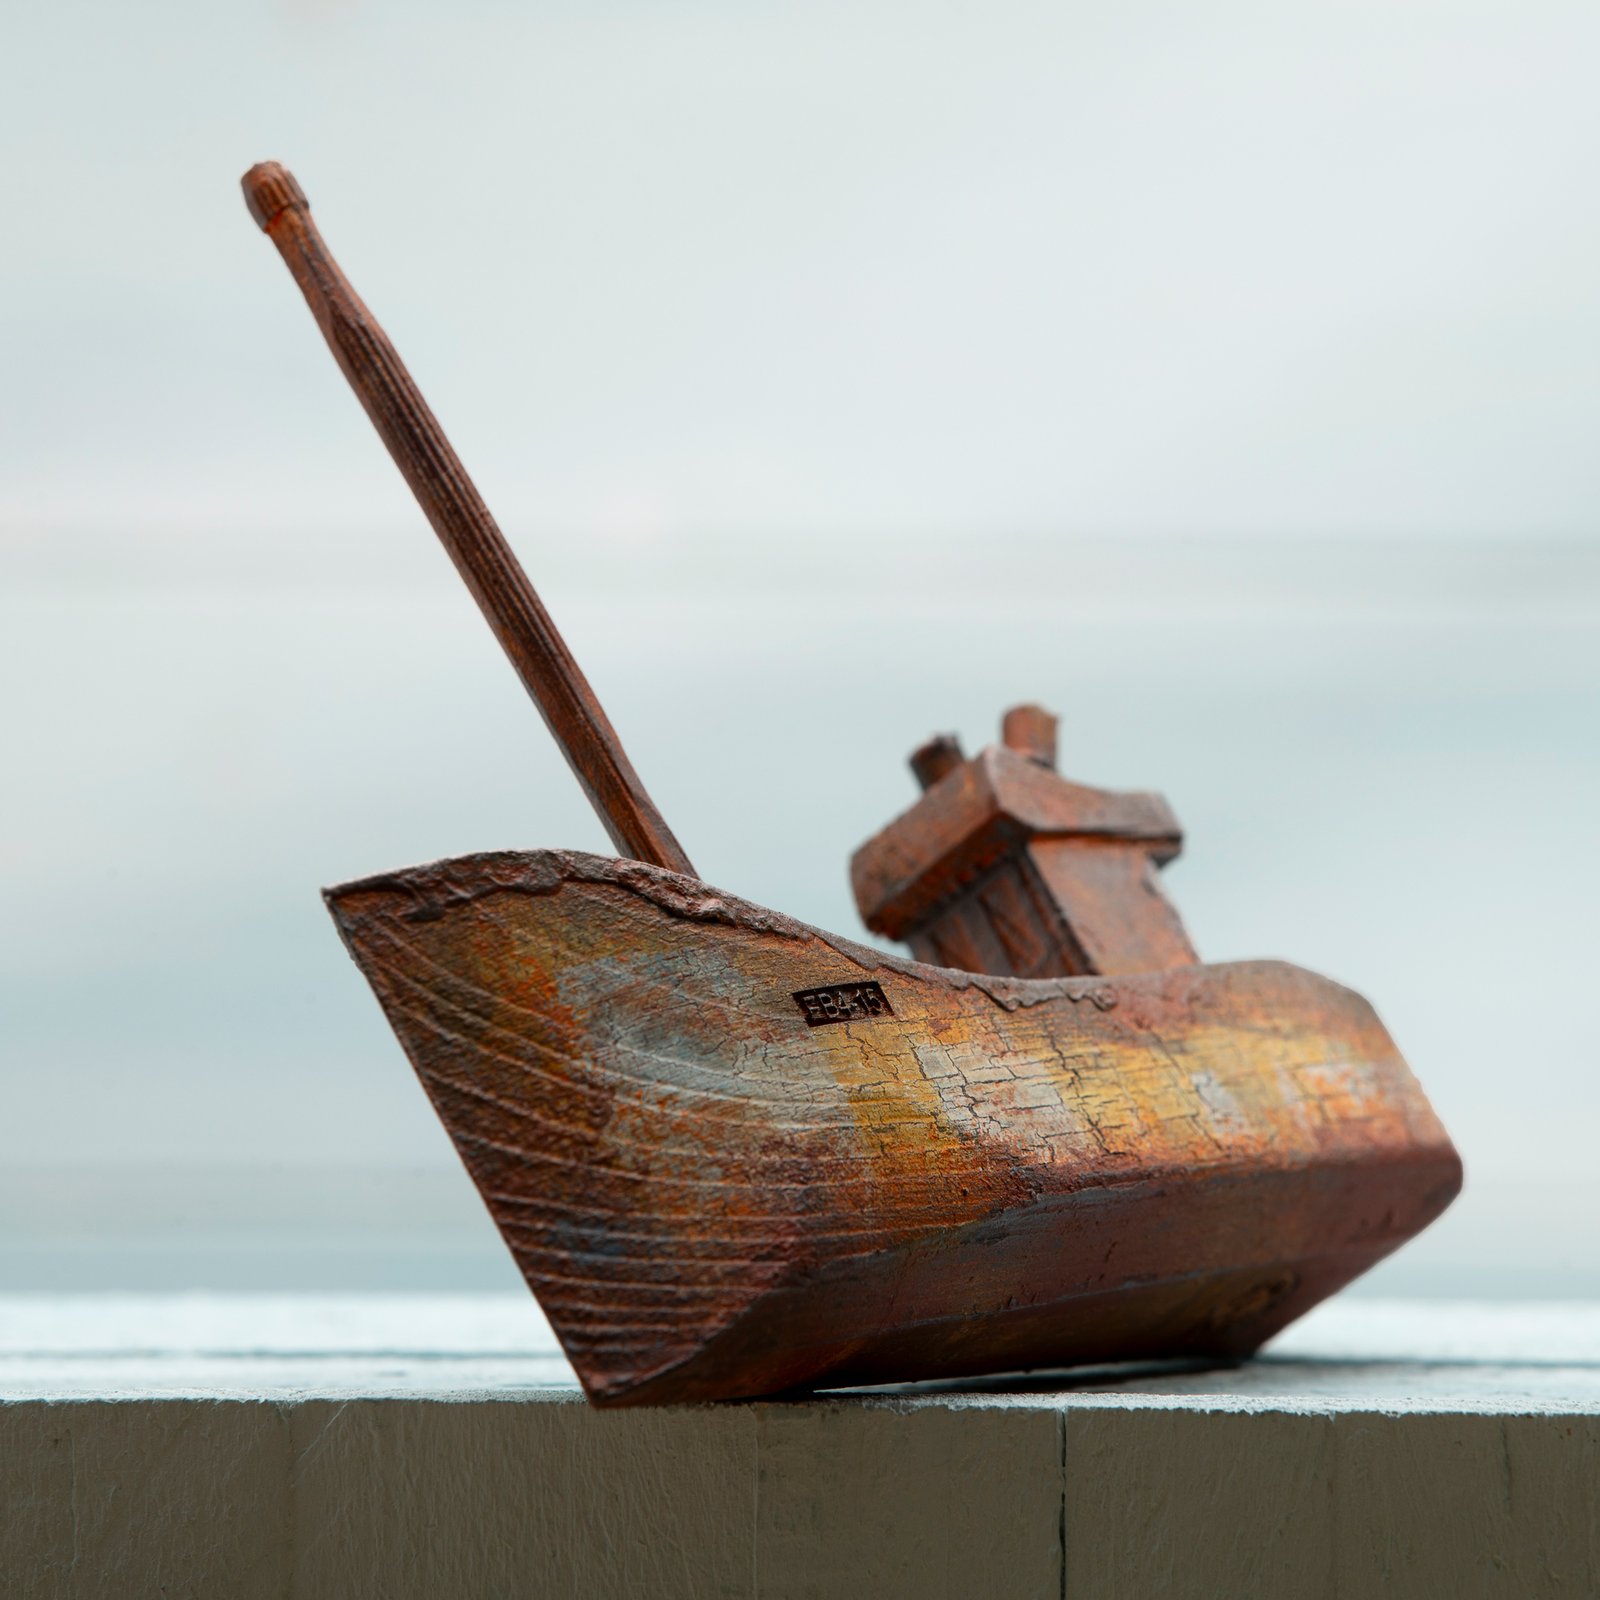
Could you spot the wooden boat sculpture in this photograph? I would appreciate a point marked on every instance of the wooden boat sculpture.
(734, 1155)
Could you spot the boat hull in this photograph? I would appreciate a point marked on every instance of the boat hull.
(734, 1156)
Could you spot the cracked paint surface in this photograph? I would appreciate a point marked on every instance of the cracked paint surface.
(712, 1199)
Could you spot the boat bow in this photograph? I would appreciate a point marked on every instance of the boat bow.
(733, 1154)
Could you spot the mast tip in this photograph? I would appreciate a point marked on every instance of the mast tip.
(269, 190)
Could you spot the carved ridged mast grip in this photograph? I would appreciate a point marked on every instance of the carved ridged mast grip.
(464, 525)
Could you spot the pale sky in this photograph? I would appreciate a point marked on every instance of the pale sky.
(1224, 268)
(1225, 375)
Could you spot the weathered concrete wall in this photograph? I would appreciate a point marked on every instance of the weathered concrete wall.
(543, 1497)
(329, 1474)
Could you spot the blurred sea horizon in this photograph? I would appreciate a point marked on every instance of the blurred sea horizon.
(363, 1229)
(1384, 753)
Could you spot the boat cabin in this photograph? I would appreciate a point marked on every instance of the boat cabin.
(1005, 867)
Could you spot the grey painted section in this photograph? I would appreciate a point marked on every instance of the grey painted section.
(411, 1447)
(1332, 1506)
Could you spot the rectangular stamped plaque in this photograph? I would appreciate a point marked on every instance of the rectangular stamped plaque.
(843, 1002)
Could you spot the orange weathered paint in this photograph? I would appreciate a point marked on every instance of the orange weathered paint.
(712, 1198)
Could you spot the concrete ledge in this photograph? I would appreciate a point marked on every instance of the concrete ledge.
(395, 1447)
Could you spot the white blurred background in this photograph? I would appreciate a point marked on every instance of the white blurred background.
(1226, 376)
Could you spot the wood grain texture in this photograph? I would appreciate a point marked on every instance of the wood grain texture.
(711, 1198)
(463, 523)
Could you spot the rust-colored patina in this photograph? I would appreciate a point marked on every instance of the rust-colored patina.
(735, 1156)
(712, 1197)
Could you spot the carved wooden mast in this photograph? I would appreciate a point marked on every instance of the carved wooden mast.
(451, 502)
